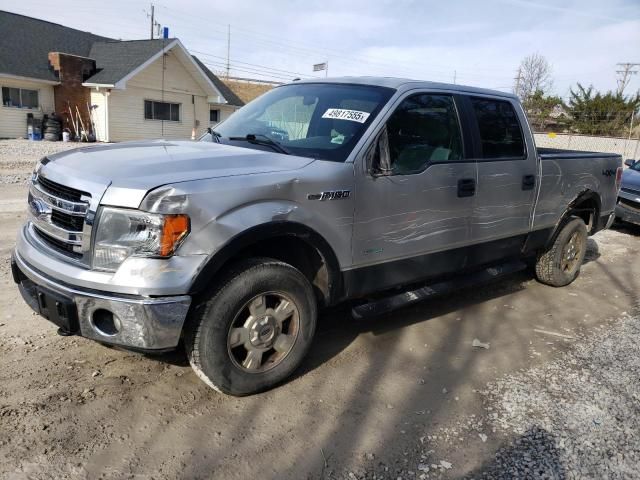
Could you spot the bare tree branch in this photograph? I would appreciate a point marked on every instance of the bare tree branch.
(534, 74)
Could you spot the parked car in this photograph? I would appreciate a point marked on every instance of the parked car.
(314, 193)
(628, 207)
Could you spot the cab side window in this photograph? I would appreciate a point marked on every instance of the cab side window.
(424, 129)
(500, 132)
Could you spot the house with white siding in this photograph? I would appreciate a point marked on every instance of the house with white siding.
(122, 90)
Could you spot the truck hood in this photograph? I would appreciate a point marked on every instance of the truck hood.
(149, 164)
(631, 179)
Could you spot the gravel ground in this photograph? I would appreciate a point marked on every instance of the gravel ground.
(575, 417)
(18, 157)
(556, 394)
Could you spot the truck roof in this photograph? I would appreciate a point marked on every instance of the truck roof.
(398, 83)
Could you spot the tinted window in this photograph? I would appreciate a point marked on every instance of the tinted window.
(500, 133)
(423, 129)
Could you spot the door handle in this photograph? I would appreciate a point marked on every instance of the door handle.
(528, 182)
(466, 187)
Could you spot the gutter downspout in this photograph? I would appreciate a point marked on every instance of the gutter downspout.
(106, 115)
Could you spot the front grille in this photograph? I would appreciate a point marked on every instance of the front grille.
(630, 190)
(60, 191)
(58, 214)
(66, 221)
(57, 245)
(630, 204)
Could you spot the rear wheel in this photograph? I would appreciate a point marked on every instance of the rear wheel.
(253, 330)
(560, 264)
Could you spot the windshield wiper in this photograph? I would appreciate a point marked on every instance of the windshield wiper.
(259, 139)
(215, 136)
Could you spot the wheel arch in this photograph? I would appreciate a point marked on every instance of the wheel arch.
(586, 206)
(290, 242)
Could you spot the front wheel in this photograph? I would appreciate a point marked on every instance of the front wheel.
(253, 330)
(560, 264)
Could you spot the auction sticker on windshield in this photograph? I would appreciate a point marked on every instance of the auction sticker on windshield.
(344, 114)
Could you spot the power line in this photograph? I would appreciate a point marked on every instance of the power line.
(304, 52)
(278, 70)
(221, 67)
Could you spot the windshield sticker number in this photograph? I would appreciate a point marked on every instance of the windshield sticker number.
(344, 114)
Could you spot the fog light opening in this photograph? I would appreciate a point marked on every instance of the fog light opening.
(105, 322)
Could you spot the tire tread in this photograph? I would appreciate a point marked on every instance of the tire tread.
(194, 327)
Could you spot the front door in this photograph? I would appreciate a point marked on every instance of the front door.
(413, 217)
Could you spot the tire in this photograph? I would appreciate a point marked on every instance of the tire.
(253, 329)
(51, 137)
(560, 264)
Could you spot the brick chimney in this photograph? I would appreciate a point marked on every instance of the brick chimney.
(71, 71)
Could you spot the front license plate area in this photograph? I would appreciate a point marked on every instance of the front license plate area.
(58, 309)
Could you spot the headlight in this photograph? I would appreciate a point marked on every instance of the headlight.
(124, 233)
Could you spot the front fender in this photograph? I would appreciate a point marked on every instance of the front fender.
(265, 231)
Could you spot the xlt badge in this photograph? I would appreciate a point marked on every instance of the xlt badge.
(330, 195)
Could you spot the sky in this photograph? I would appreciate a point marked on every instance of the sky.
(479, 43)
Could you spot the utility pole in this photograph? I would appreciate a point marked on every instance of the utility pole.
(153, 9)
(518, 79)
(625, 72)
(228, 47)
(154, 25)
(454, 77)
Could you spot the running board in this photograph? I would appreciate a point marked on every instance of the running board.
(393, 302)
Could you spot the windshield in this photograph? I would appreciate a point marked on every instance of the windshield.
(318, 120)
(636, 166)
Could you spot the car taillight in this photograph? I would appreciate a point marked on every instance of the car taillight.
(618, 178)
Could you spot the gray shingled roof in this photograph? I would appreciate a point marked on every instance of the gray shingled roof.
(116, 59)
(26, 43)
(227, 93)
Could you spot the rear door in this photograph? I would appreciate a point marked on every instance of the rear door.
(414, 222)
(507, 175)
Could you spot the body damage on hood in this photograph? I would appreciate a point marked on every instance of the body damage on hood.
(149, 164)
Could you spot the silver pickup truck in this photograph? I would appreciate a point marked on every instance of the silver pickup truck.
(315, 193)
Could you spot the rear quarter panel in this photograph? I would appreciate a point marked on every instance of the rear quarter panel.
(565, 176)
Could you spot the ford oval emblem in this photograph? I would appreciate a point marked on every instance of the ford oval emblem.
(39, 209)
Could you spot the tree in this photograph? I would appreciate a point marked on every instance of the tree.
(534, 74)
(546, 112)
(594, 113)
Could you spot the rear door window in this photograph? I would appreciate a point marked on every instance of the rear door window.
(499, 128)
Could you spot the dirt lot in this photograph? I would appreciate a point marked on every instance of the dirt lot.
(555, 395)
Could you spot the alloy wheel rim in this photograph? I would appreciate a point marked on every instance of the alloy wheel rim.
(264, 332)
(571, 253)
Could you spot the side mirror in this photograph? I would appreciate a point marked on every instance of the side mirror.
(629, 162)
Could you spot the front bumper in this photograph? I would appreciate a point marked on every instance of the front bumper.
(145, 323)
(628, 213)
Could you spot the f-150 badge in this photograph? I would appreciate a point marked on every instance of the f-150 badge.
(330, 195)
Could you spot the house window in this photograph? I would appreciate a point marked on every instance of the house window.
(161, 111)
(19, 97)
(214, 116)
